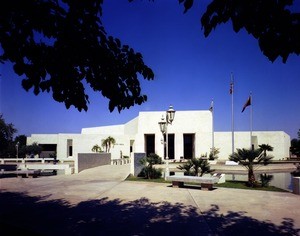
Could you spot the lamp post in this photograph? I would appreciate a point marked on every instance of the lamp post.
(17, 149)
(163, 125)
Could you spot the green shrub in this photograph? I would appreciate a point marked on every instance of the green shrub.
(265, 179)
(149, 171)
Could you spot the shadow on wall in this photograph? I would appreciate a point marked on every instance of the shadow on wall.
(24, 215)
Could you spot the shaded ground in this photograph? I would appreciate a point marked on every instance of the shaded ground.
(99, 202)
(24, 215)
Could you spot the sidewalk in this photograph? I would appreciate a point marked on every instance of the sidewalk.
(99, 202)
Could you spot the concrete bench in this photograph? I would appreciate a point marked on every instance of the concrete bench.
(205, 182)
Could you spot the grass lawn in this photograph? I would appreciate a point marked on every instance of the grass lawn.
(227, 184)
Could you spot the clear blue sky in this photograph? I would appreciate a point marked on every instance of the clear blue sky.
(189, 70)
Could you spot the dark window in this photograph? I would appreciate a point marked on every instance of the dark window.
(70, 151)
(149, 143)
(171, 151)
(48, 147)
(188, 145)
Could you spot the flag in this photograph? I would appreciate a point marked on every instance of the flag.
(231, 84)
(231, 87)
(211, 106)
(248, 103)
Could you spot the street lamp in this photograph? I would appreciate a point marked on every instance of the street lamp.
(17, 147)
(163, 125)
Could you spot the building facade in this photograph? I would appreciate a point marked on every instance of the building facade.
(190, 135)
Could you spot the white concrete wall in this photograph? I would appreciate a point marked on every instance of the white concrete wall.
(279, 140)
(198, 123)
(42, 138)
(185, 122)
(105, 130)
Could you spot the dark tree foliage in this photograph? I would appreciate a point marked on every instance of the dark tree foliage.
(58, 46)
(295, 146)
(7, 130)
(271, 22)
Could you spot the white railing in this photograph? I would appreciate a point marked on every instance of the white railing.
(121, 161)
(34, 160)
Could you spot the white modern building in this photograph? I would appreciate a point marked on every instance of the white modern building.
(190, 135)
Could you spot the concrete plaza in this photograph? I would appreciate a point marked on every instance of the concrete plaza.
(99, 202)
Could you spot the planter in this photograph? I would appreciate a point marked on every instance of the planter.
(296, 185)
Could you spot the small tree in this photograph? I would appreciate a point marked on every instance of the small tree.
(214, 153)
(264, 148)
(265, 179)
(187, 167)
(149, 171)
(249, 159)
(96, 148)
(108, 143)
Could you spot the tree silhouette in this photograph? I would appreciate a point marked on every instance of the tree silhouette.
(60, 46)
(271, 22)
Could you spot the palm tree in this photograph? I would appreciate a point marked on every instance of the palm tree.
(196, 167)
(186, 167)
(249, 159)
(265, 148)
(108, 143)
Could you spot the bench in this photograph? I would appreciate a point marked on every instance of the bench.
(205, 182)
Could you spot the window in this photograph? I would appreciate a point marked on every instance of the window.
(188, 146)
(149, 144)
(171, 150)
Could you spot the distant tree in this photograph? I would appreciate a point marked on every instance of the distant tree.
(96, 148)
(108, 143)
(250, 159)
(7, 131)
(21, 139)
(34, 149)
(295, 146)
(60, 46)
(264, 148)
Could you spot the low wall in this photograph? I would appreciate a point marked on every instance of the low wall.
(90, 160)
(137, 164)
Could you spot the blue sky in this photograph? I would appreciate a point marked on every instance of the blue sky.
(190, 70)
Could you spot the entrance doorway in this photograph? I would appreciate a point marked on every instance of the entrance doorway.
(188, 146)
(149, 144)
(171, 150)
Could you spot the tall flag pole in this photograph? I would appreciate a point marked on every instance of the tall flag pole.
(249, 103)
(231, 90)
(213, 135)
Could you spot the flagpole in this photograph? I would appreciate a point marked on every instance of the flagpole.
(251, 120)
(232, 113)
(213, 132)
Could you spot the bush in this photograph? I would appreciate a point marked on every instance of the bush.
(196, 167)
(296, 173)
(265, 179)
(149, 171)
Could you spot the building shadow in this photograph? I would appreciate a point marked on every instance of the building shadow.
(21, 214)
